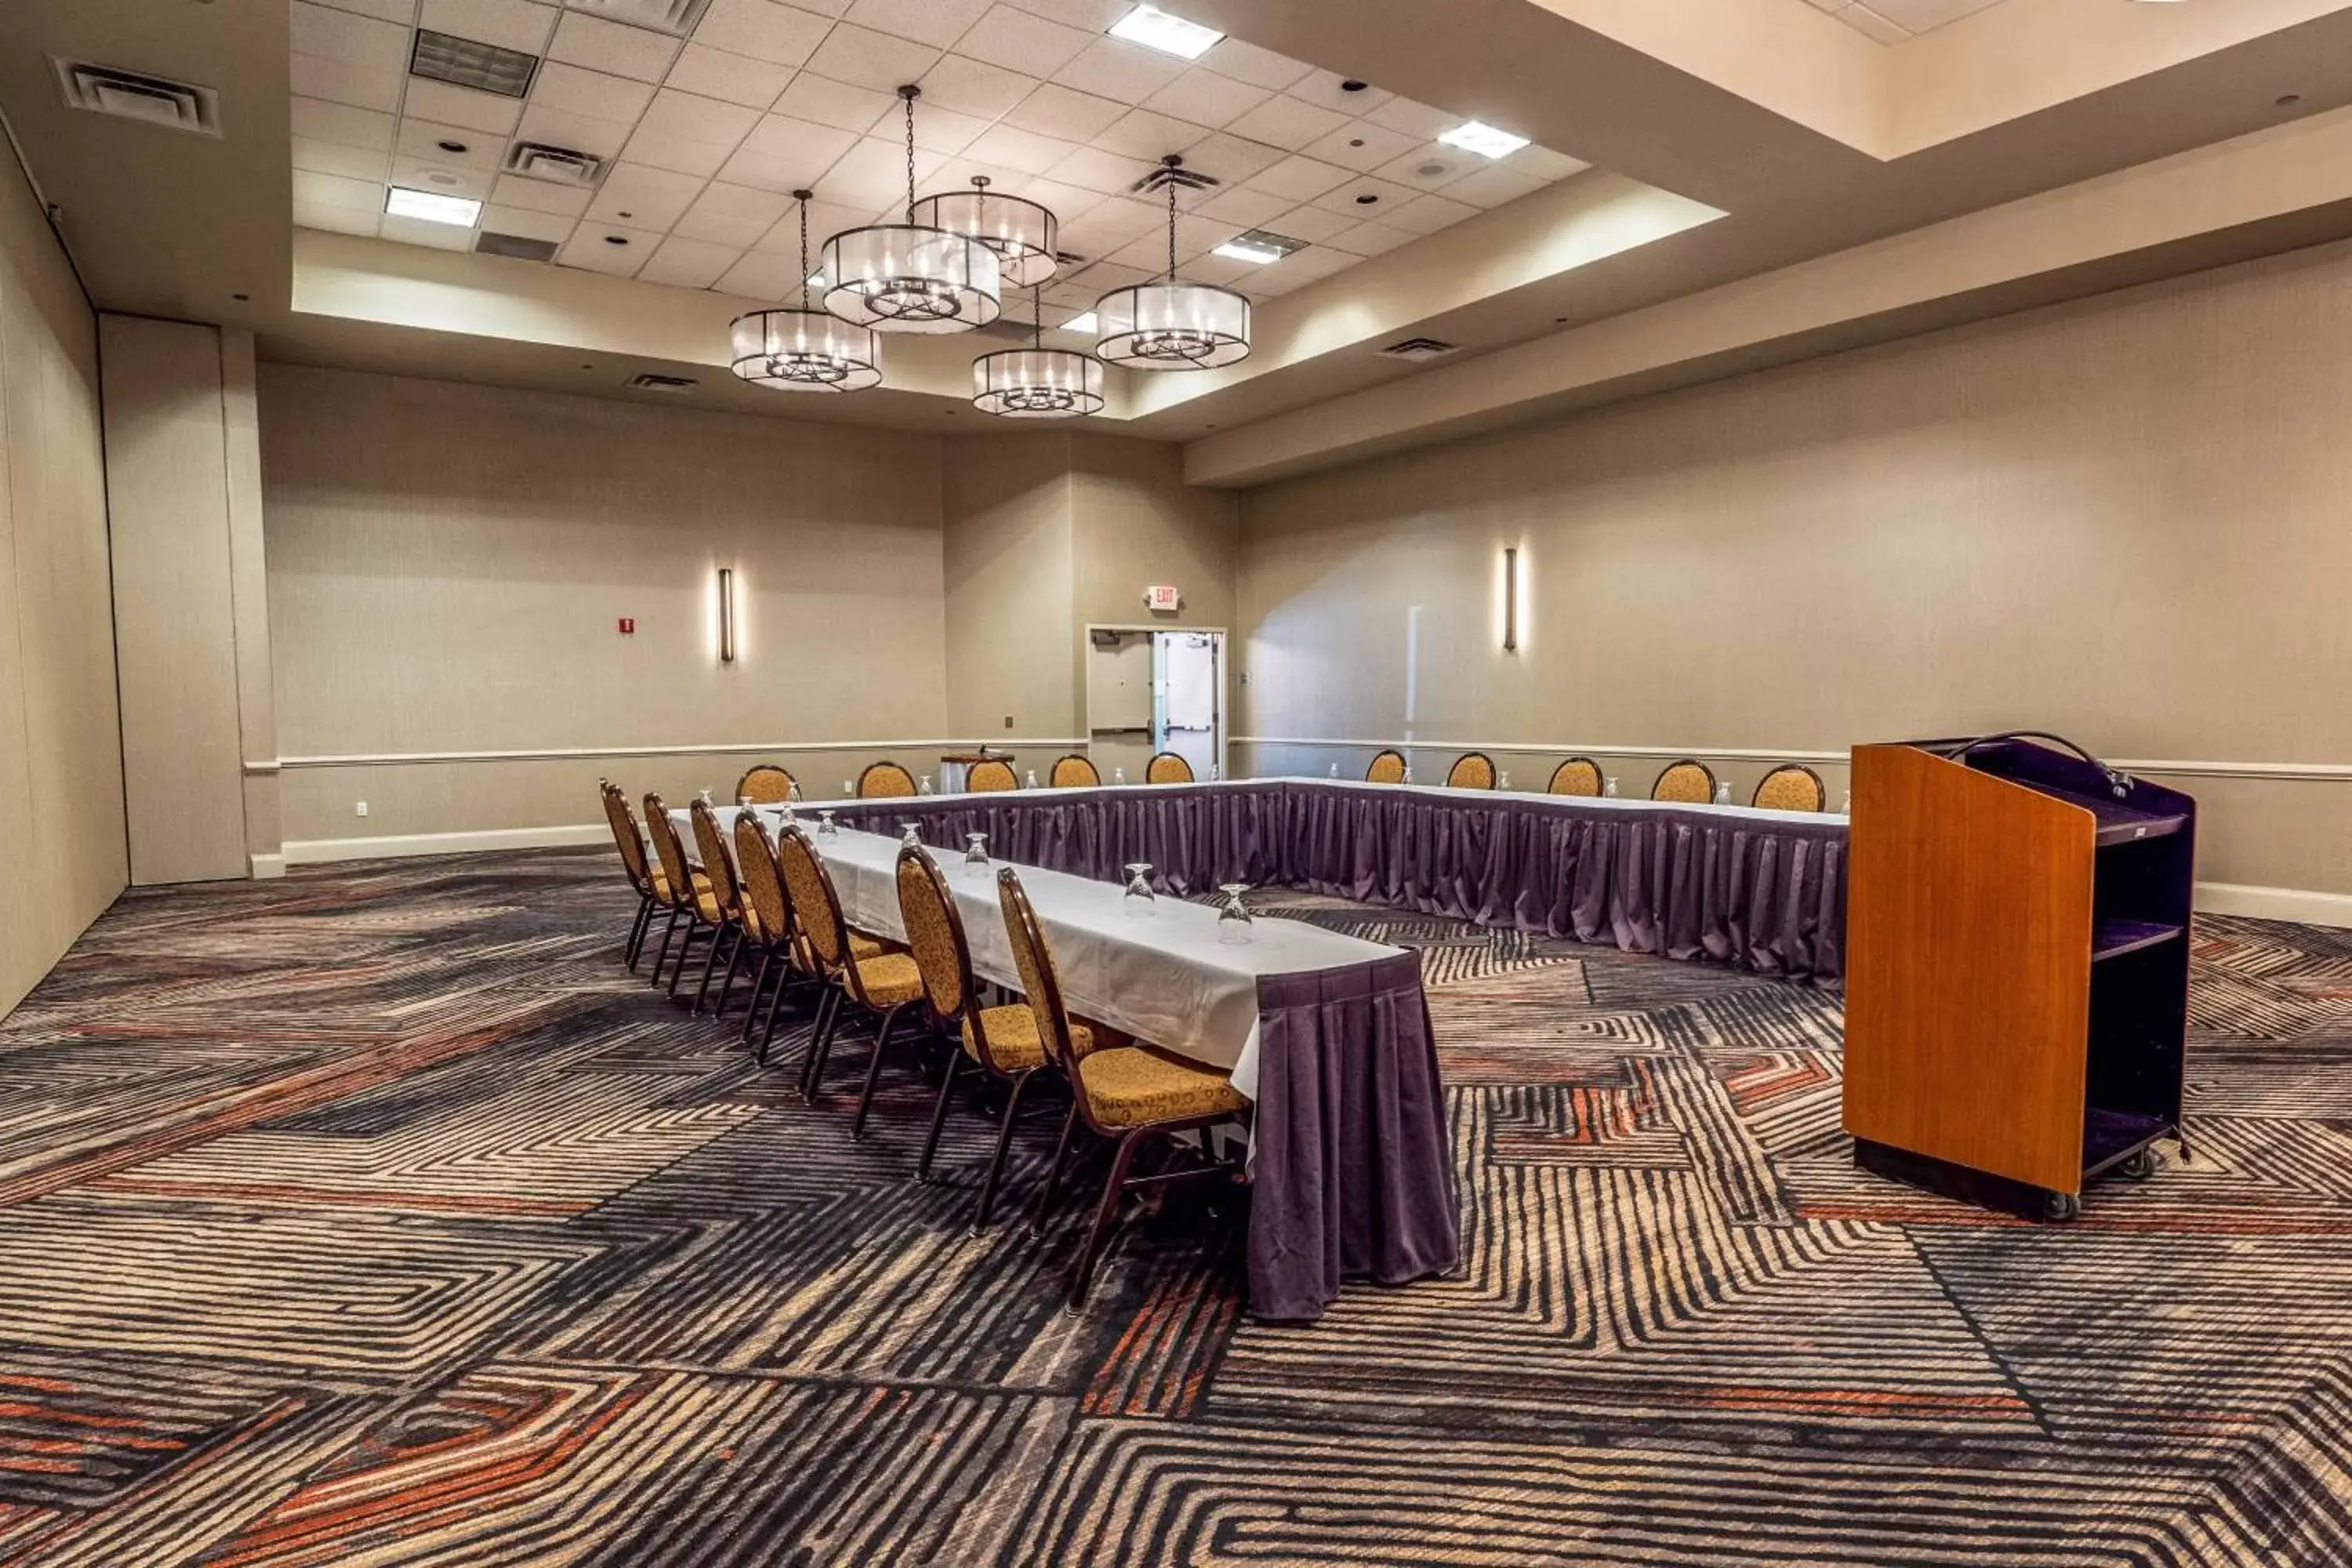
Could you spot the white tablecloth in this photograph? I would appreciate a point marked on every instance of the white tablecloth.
(1164, 978)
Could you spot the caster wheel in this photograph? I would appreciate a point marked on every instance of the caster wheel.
(2062, 1207)
(2140, 1166)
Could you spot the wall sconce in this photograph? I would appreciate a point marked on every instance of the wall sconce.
(1510, 599)
(726, 614)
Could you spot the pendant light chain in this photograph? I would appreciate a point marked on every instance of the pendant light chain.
(907, 96)
(803, 197)
(1171, 231)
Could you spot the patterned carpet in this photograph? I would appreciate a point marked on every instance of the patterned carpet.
(378, 1216)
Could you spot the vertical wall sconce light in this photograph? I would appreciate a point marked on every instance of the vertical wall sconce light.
(726, 614)
(1510, 599)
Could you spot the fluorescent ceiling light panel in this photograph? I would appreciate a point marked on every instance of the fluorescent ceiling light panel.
(1085, 323)
(1258, 246)
(1483, 140)
(1156, 29)
(401, 202)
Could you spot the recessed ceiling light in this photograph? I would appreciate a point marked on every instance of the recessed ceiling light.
(432, 207)
(1483, 140)
(1156, 29)
(1084, 324)
(1259, 246)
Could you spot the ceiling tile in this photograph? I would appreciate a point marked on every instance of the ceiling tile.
(1299, 177)
(1230, 159)
(1328, 89)
(1249, 208)
(1196, 233)
(1417, 121)
(1492, 187)
(1063, 113)
(935, 21)
(1926, 15)
(1221, 269)
(331, 158)
(577, 132)
(810, 146)
(782, 173)
(1064, 202)
(1865, 20)
(423, 139)
(1091, 15)
(693, 118)
(1113, 223)
(1287, 123)
(679, 155)
(334, 219)
(1312, 224)
(867, 58)
(820, 101)
(401, 11)
(1204, 98)
(642, 196)
(1544, 164)
(974, 87)
(731, 79)
(509, 24)
(1259, 68)
(781, 35)
(447, 105)
(578, 90)
(690, 263)
(1369, 239)
(1362, 146)
(1139, 133)
(591, 42)
(761, 276)
(1023, 42)
(609, 248)
(1146, 253)
(873, 175)
(340, 123)
(825, 220)
(434, 235)
(346, 38)
(1104, 276)
(442, 178)
(1386, 196)
(1018, 148)
(1113, 68)
(1428, 165)
(1303, 267)
(525, 224)
(732, 215)
(943, 130)
(1427, 214)
(373, 87)
(338, 191)
(540, 195)
(1096, 170)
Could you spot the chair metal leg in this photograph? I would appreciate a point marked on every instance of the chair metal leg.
(938, 1117)
(758, 985)
(694, 928)
(820, 1044)
(1053, 1171)
(873, 1070)
(734, 964)
(709, 961)
(662, 956)
(997, 1161)
(635, 947)
(1114, 1187)
(775, 1003)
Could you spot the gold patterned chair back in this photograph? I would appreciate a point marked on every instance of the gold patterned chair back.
(717, 867)
(1578, 776)
(766, 909)
(884, 781)
(671, 852)
(1688, 782)
(1471, 770)
(1168, 768)
(934, 933)
(1041, 986)
(986, 778)
(627, 839)
(816, 908)
(1791, 786)
(764, 784)
(1074, 772)
(1387, 767)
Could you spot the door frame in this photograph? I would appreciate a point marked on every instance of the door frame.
(1224, 683)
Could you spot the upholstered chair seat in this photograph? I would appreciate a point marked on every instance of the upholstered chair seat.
(1136, 1085)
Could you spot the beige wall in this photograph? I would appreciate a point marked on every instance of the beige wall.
(2122, 520)
(1011, 582)
(60, 750)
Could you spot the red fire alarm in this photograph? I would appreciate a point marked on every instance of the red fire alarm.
(628, 626)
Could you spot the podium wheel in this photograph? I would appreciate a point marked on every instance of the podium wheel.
(2140, 1166)
(2062, 1207)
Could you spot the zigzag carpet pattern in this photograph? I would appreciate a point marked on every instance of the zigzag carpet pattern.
(378, 1216)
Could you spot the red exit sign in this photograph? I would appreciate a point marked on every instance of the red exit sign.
(628, 626)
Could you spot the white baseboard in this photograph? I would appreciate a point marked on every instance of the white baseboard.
(320, 851)
(262, 867)
(2275, 903)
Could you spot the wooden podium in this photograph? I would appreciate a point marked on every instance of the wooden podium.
(2017, 969)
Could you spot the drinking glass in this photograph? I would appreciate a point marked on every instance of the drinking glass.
(1118, 775)
(848, 791)
(1408, 772)
(790, 815)
(704, 796)
(926, 785)
(911, 834)
(1139, 896)
(1504, 780)
(1334, 769)
(1032, 778)
(1609, 787)
(794, 797)
(975, 853)
(1233, 916)
(1847, 809)
(1723, 795)
(825, 824)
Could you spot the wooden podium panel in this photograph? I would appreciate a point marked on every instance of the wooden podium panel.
(1968, 922)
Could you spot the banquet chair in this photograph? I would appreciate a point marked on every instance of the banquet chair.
(1578, 776)
(1387, 767)
(718, 900)
(651, 895)
(685, 884)
(1471, 770)
(986, 778)
(1123, 1092)
(882, 986)
(764, 784)
(1167, 768)
(884, 781)
(1002, 1041)
(767, 923)
(1690, 783)
(1074, 772)
(1791, 786)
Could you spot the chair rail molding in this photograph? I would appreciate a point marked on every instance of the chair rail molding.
(717, 748)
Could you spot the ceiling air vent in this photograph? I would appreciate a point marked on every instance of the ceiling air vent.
(556, 165)
(462, 62)
(676, 16)
(647, 381)
(127, 95)
(1419, 349)
(515, 246)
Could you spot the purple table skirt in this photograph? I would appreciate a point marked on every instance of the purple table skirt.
(1354, 1178)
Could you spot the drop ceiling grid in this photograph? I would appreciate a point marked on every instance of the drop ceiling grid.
(707, 135)
(1892, 21)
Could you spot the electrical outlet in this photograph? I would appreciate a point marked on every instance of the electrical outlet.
(360, 810)
(1008, 720)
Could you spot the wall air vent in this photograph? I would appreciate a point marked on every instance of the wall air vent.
(556, 165)
(515, 246)
(649, 381)
(127, 95)
(462, 62)
(1419, 349)
(673, 17)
